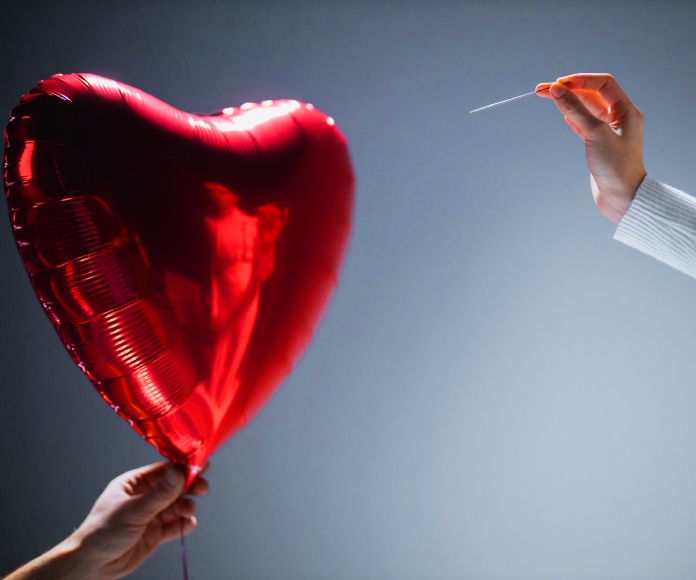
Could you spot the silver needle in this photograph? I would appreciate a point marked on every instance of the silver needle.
(508, 100)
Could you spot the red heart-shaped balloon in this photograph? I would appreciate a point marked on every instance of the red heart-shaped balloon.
(184, 259)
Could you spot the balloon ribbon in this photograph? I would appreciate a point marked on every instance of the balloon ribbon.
(183, 553)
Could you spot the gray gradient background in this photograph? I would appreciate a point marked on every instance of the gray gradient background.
(498, 389)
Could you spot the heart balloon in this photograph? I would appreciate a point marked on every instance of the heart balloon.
(184, 259)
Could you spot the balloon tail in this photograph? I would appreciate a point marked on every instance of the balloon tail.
(192, 472)
(183, 553)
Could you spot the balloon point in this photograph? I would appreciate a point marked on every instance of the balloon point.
(310, 106)
(228, 111)
(266, 103)
(246, 106)
(330, 121)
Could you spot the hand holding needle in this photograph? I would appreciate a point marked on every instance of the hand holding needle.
(598, 110)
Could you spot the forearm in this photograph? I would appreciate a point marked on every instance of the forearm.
(66, 561)
(661, 222)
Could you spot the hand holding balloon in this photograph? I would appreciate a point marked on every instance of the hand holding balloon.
(137, 512)
(602, 115)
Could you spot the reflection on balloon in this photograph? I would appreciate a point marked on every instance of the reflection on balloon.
(184, 260)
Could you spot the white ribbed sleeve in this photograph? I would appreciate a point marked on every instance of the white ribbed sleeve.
(661, 222)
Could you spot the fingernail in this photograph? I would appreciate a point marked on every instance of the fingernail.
(558, 90)
(172, 477)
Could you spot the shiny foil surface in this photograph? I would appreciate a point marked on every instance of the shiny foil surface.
(184, 260)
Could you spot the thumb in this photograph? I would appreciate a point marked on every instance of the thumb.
(584, 123)
(162, 493)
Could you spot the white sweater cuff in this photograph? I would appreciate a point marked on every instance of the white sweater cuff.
(661, 222)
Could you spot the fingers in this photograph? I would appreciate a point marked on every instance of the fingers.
(591, 99)
(179, 518)
(542, 89)
(182, 508)
(155, 488)
(604, 84)
(176, 529)
(166, 484)
(609, 97)
(199, 488)
(143, 479)
(571, 106)
(575, 128)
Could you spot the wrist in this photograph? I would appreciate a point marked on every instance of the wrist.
(71, 559)
(629, 194)
(614, 200)
(75, 557)
(67, 560)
